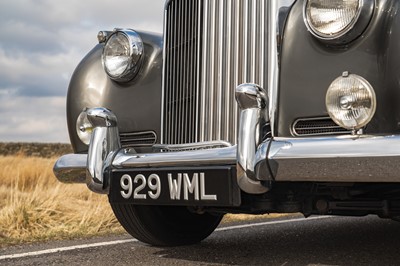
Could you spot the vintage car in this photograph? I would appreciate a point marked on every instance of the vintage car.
(241, 106)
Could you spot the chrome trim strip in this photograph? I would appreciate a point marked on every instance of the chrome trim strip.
(197, 135)
(192, 146)
(273, 8)
(164, 67)
(126, 158)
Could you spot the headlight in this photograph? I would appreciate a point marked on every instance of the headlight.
(122, 55)
(351, 101)
(338, 21)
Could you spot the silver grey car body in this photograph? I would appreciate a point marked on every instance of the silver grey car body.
(238, 89)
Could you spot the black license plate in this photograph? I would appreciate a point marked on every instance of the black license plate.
(214, 186)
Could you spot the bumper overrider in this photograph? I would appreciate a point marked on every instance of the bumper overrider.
(257, 160)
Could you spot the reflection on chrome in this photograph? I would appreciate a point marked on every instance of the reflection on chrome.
(104, 142)
(253, 106)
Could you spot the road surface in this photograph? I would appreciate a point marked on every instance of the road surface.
(290, 241)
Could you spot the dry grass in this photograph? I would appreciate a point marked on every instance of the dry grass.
(35, 206)
(230, 218)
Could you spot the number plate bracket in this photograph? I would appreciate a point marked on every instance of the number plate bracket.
(212, 186)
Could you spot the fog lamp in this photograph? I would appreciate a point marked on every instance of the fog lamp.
(84, 128)
(351, 101)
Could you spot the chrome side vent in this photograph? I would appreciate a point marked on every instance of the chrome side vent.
(211, 47)
(317, 127)
(138, 139)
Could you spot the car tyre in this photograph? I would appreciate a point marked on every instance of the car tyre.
(165, 225)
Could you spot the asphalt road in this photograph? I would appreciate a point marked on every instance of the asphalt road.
(316, 241)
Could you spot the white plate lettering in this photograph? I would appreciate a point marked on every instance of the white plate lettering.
(180, 186)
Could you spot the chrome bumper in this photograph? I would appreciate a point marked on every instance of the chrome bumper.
(72, 168)
(259, 158)
(337, 159)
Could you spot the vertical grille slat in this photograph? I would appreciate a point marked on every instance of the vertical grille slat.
(212, 46)
(227, 82)
(219, 80)
(191, 69)
(179, 101)
(198, 69)
(236, 59)
(202, 110)
(263, 41)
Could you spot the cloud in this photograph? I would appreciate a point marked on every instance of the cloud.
(32, 119)
(41, 43)
(38, 75)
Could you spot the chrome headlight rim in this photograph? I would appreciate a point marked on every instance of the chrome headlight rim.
(353, 30)
(136, 55)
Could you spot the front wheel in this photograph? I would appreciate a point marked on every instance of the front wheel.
(165, 225)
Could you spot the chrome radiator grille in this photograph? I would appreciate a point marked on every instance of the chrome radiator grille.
(210, 47)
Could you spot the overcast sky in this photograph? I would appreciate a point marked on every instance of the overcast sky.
(41, 42)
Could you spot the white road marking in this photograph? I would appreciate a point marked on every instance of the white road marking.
(272, 222)
(109, 243)
(60, 249)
